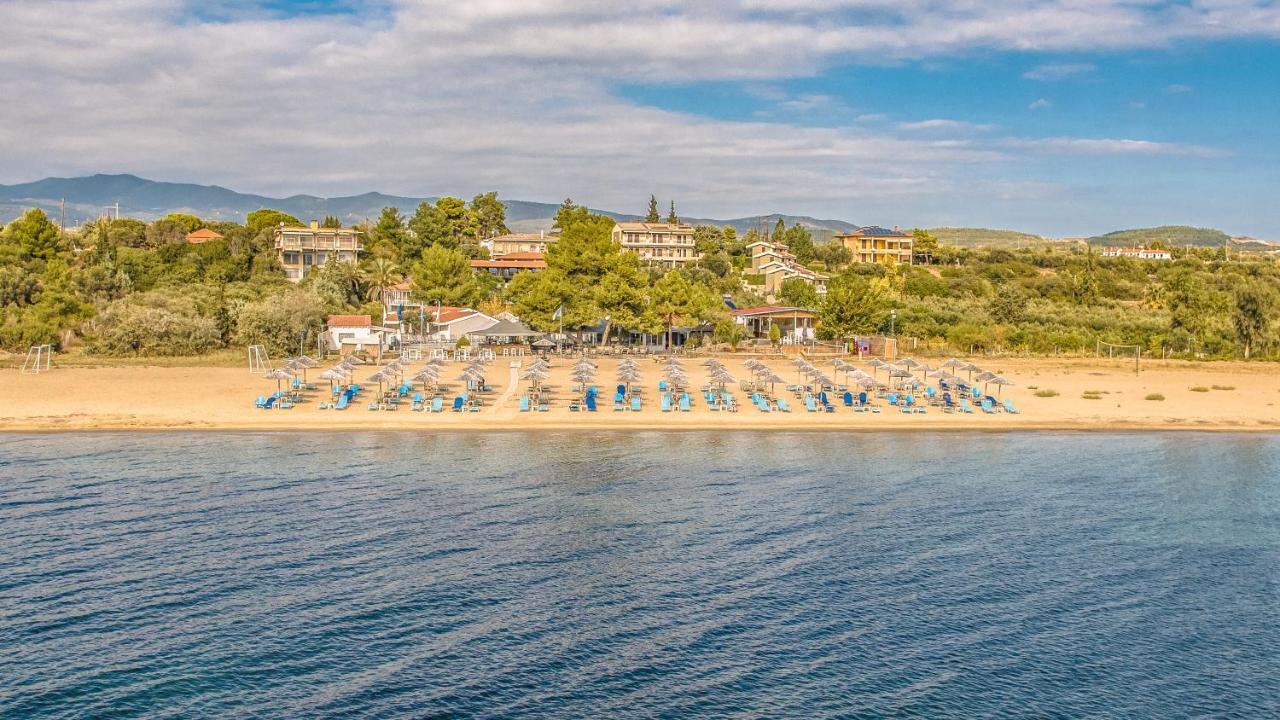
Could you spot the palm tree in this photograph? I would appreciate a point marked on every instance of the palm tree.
(380, 275)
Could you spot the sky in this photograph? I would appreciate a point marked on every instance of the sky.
(1061, 117)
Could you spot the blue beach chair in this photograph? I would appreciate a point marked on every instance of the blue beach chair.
(591, 402)
(810, 404)
(635, 403)
(1009, 407)
(987, 406)
(666, 402)
(685, 403)
(848, 399)
(419, 402)
(524, 403)
(437, 404)
(457, 404)
(783, 405)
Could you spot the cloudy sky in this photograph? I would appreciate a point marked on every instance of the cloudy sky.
(1065, 117)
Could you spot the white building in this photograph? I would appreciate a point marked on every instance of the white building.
(1141, 253)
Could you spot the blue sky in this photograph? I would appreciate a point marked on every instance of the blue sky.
(1063, 117)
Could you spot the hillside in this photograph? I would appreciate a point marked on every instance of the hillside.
(1171, 235)
(985, 237)
(88, 197)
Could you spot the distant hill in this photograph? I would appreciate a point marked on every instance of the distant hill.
(1171, 235)
(88, 197)
(986, 237)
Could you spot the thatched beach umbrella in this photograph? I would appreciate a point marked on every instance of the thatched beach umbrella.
(279, 375)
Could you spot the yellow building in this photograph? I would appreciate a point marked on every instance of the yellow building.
(518, 243)
(666, 244)
(301, 248)
(874, 244)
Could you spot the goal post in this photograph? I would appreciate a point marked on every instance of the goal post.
(259, 363)
(39, 359)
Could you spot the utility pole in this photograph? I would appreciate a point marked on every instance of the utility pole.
(62, 217)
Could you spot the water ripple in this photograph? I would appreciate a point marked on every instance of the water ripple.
(668, 575)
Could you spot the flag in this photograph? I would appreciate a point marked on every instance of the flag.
(559, 313)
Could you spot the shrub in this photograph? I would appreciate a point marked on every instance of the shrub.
(1046, 393)
(276, 321)
(154, 324)
(1199, 388)
(1155, 396)
(1224, 387)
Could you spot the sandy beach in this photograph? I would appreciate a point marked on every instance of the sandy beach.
(1227, 396)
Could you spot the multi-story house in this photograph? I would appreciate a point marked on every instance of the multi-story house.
(776, 264)
(301, 248)
(874, 244)
(518, 243)
(666, 244)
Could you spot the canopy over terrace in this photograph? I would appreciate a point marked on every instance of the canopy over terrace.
(794, 323)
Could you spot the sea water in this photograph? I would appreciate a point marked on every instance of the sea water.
(693, 574)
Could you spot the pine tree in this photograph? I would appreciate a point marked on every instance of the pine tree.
(653, 211)
(672, 218)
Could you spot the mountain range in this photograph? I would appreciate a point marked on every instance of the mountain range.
(89, 197)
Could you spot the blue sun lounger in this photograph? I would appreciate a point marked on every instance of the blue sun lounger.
(783, 405)
(685, 403)
(419, 402)
(635, 403)
(457, 403)
(261, 402)
(1009, 407)
(965, 407)
(342, 403)
(591, 402)
(437, 404)
(848, 399)
(810, 404)
(988, 406)
(524, 403)
(666, 402)
(619, 402)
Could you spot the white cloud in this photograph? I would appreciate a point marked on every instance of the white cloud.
(1040, 104)
(461, 97)
(1111, 146)
(1179, 89)
(1059, 71)
(942, 124)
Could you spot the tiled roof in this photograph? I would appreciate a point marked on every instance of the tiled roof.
(203, 234)
(659, 227)
(350, 321)
(516, 264)
(519, 256)
(876, 231)
(767, 310)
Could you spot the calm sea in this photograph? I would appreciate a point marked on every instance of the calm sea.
(583, 575)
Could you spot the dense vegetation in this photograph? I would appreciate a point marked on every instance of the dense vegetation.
(124, 287)
(985, 237)
(1164, 236)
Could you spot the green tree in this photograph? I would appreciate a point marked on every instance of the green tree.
(444, 275)
(331, 221)
(490, 215)
(389, 237)
(1253, 317)
(267, 219)
(279, 321)
(652, 216)
(570, 213)
(799, 241)
(380, 274)
(674, 299)
(36, 234)
(1009, 306)
(799, 293)
(1190, 304)
(775, 334)
(924, 245)
(187, 222)
(672, 218)
(620, 296)
(854, 305)
(730, 333)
